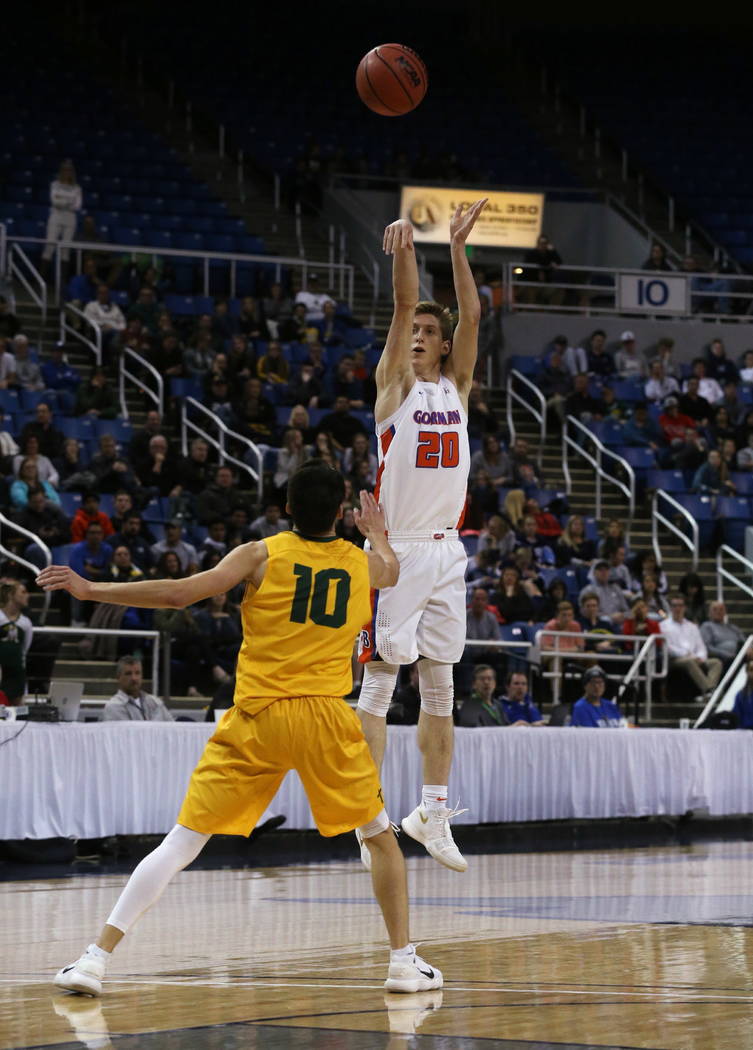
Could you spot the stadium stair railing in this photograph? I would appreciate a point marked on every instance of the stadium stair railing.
(13, 527)
(578, 445)
(658, 517)
(79, 333)
(521, 391)
(188, 425)
(157, 395)
(723, 697)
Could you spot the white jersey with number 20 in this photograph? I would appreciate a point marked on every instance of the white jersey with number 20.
(424, 460)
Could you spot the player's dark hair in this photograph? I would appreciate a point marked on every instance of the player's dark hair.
(442, 314)
(315, 493)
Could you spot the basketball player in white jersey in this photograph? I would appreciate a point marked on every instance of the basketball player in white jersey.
(423, 380)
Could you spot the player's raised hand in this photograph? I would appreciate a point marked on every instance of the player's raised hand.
(462, 222)
(398, 234)
(370, 518)
(61, 578)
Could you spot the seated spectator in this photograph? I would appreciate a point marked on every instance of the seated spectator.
(8, 446)
(82, 287)
(694, 406)
(612, 601)
(216, 538)
(512, 599)
(42, 427)
(719, 366)
(481, 709)
(250, 323)
(158, 473)
(167, 355)
(547, 526)
(673, 424)
(45, 519)
(746, 372)
(90, 559)
(224, 327)
(272, 366)
(522, 562)
(721, 429)
(45, 469)
(168, 566)
(516, 703)
(331, 329)
(28, 478)
(687, 651)
(689, 453)
(600, 361)
(657, 259)
(481, 626)
(199, 355)
(96, 397)
(592, 622)
(28, 372)
(651, 594)
(555, 593)
(107, 316)
(291, 456)
(544, 260)
(543, 555)
(359, 452)
(743, 709)
(122, 569)
(613, 409)
(123, 506)
(219, 401)
(194, 471)
(87, 513)
(347, 529)
(613, 537)
(573, 548)
(306, 389)
(619, 572)
(639, 623)
(712, 477)
(72, 472)
(498, 538)
(482, 572)
(60, 377)
(293, 329)
(344, 383)
(692, 590)
(9, 323)
(146, 309)
(481, 418)
(277, 307)
(110, 468)
(340, 425)
(575, 358)
(299, 418)
(326, 450)
(644, 562)
(130, 703)
(581, 404)
(641, 431)
(707, 387)
(255, 413)
(173, 543)
(241, 361)
(313, 299)
(222, 627)
(554, 646)
(492, 459)
(270, 522)
(133, 536)
(723, 640)
(7, 365)
(523, 467)
(745, 455)
(220, 497)
(16, 634)
(629, 364)
(660, 385)
(592, 711)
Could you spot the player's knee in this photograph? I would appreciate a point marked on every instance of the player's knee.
(380, 823)
(377, 688)
(436, 687)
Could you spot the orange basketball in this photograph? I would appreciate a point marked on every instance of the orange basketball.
(391, 80)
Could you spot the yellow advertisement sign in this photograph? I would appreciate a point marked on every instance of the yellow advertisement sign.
(509, 220)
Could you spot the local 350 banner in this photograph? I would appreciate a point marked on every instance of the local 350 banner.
(509, 220)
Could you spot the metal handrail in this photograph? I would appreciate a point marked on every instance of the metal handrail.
(3, 248)
(124, 633)
(646, 653)
(628, 489)
(68, 329)
(161, 251)
(158, 396)
(657, 518)
(29, 566)
(725, 574)
(539, 414)
(40, 296)
(514, 277)
(219, 443)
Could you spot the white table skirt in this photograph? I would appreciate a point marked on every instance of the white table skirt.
(128, 778)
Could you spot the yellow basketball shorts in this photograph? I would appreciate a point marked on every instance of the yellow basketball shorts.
(246, 759)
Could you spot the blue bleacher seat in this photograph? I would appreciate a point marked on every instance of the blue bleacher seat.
(9, 401)
(640, 459)
(61, 555)
(189, 305)
(29, 399)
(527, 366)
(180, 387)
(70, 502)
(668, 480)
(107, 503)
(702, 510)
(70, 427)
(735, 515)
(743, 482)
(120, 429)
(612, 434)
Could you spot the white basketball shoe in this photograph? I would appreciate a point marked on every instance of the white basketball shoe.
(85, 975)
(412, 974)
(431, 827)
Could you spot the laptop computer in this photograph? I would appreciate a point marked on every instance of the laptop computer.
(66, 697)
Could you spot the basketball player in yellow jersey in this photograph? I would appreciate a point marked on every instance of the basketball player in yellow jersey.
(307, 596)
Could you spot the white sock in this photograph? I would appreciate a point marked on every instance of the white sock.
(99, 953)
(434, 796)
(401, 954)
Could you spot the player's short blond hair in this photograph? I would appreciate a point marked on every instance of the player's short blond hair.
(442, 314)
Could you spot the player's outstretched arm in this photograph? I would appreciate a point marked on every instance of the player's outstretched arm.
(243, 563)
(384, 568)
(465, 339)
(395, 363)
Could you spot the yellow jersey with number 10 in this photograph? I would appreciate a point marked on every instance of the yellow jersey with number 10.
(300, 625)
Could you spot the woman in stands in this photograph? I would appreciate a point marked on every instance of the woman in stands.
(573, 547)
(498, 537)
(656, 603)
(493, 459)
(272, 366)
(613, 537)
(691, 588)
(644, 563)
(28, 477)
(721, 428)
(45, 469)
(712, 477)
(359, 452)
(65, 204)
(291, 456)
(324, 448)
(512, 599)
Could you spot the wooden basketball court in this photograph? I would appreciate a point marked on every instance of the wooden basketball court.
(622, 948)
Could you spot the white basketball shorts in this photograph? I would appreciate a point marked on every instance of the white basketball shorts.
(424, 614)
